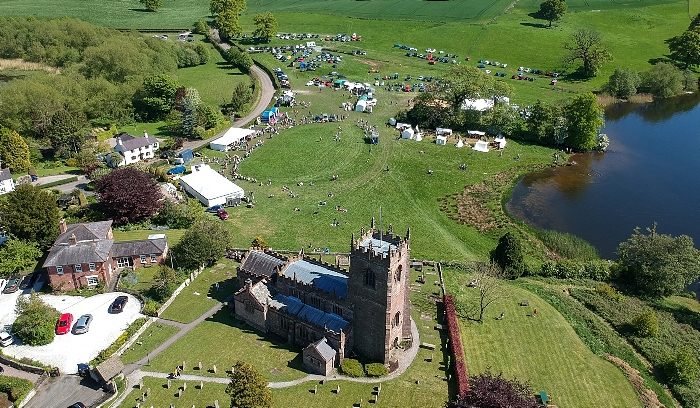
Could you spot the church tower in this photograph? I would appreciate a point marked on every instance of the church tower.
(378, 291)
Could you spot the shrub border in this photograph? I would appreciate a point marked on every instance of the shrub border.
(456, 345)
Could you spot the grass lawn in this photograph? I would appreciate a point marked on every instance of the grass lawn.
(544, 349)
(162, 396)
(201, 294)
(220, 341)
(173, 235)
(151, 338)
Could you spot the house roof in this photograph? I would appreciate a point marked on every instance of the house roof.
(317, 317)
(89, 231)
(82, 252)
(5, 174)
(210, 184)
(261, 292)
(378, 247)
(261, 264)
(325, 350)
(110, 368)
(141, 247)
(132, 142)
(320, 276)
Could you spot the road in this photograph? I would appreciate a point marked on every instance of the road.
(68, 187)
(65, 390)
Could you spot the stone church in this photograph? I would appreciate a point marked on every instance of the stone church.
(328, 310)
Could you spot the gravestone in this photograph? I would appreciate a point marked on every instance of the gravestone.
(200, 366)
(143, 397)
(233, 369)
(179, 393)
(201, 384)
(337, 389)
(183, 365)
(140, 384)
(315, 389)
(216, 403)
(184, 386)
(169, 384)
(148, 391)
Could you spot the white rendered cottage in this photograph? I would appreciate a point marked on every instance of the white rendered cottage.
(6, 182)
(134, 149)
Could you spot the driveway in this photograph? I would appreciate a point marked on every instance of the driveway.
(65, 390)
(66, 351)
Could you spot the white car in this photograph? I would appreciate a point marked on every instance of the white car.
(310, 83)
(5, 339)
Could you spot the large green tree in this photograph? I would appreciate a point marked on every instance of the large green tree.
(663, 80)
(17, 256)
(248, 389)
(623, 83)
(202, 244)
(553, 10)
(587, 46)
(30, 214)
(265, 25)
(157, 96)
(658, 265)
(242, 95)
(584, 117)
(152, 5)
(240, 60)
(14, 152)
(685, 48)
(540, 123)
(508, 254)
(227, 14)
(36, 321)
(128, 195)
(67, 132)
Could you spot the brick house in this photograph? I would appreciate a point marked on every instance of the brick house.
(320, 306)
(134, 149)
(83, 255)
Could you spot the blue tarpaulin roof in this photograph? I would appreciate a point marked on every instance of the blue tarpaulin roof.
(312, 315)
(321, 277)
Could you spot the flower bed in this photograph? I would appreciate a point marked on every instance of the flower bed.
(456, 345)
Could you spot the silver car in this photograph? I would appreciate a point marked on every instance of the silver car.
(83, 324)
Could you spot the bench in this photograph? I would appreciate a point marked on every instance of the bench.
(428, 346)
(544, 397)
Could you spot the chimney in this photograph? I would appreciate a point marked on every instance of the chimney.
(62, 225)
(145, 134)
(119, 140)
(73, 240)
(248, 283)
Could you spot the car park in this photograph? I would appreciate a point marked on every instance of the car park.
(64, 323)
(82, 325)
(12, 284)
(118, 305)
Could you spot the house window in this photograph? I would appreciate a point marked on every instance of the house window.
(78, 268)
(249, 306)
(368, 278)
(123, 262)
(59, 270)
(92, 267)
(92, 281)
(315, 302)
(143, 259)
(338, 310)
(153, 258)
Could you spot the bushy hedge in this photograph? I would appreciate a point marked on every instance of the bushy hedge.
(376, 370)
(598, 270)
(456, 345)
(107, 353)
(59, 182)
(352, 367)
(15, 388)
(646, 324)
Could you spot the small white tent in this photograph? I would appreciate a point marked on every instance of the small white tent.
(392, 122)
(407, 133)
(459, 144)
(481, 146)
(418, 137)
(360, 106)
(441, 140)
(501, 142)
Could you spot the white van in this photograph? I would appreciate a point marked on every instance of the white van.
(5, 339)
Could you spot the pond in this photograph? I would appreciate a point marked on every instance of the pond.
(650, 173)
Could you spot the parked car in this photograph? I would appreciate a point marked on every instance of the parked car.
(222, 214)
(64, 323)
(83, 324)
(5, 339)
(26, 282)
(12, 284)
(215, 208)
(78, 405)
(118, 305)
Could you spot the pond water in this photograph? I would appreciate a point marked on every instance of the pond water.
(650, 173)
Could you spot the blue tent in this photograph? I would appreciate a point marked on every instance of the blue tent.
(187, 155)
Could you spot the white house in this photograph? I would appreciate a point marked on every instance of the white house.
(210, 187)
(134, 149)
(230, 138)
(6, 182)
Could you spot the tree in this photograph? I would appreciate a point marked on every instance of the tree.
(623, 83)
(489, 391)
(259, 242)
(17, 256)
(239, 59)
(128, 195)
(36, 321)
(202, 244)
(488, 278)
(683, 367)
(30, 214)
(501, 119)
(201, 27)
(189, 117)
(179, 216)
(14, 151)
(508, 255)
(157, 96)
(584, 118)
(66, 132)
(658, 265)
(227, 14)
(164, 283)
(241, 97)
(248, 389)
(265, 26)
(152, 5)
(685, 48)
(646, 324)
(586, 45)
(663, 80)
(553, 10)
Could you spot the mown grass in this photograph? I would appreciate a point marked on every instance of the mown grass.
(173, 235)
(201, 295)
(152, 337)
(162, 396)
(543, 349)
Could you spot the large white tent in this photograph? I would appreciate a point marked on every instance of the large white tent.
(360, 106)
(231, 136)
(481, 146)
(210, 187)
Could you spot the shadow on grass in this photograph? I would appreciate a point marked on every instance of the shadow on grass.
(140, 10)
(226, 288)
(535, 25)
(681, 314)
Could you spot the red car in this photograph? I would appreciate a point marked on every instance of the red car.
(64, 323)
(223, 214)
